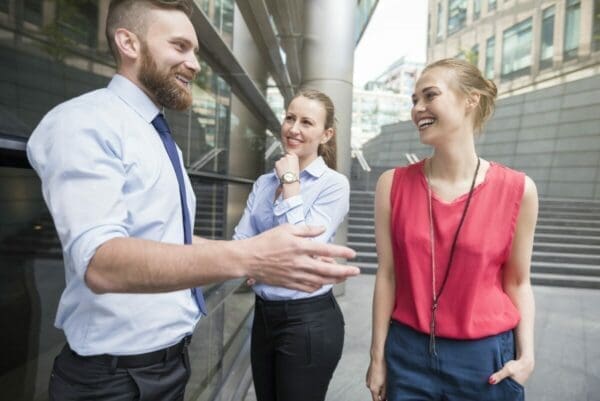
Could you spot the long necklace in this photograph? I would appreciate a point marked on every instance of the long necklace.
(437, 294)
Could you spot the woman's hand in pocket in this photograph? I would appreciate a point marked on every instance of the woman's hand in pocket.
(519, 370)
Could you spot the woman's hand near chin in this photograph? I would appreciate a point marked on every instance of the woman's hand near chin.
(287, 163)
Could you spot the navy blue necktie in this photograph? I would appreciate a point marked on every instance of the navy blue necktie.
(161, 126)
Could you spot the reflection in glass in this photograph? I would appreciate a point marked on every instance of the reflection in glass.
(31, 280)
(572, 21)
(32, 11)
(220, 13)
(457, 15)
(49, 55)
(77, 20)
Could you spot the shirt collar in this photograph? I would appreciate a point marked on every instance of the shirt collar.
(317, 167)
(134, 96)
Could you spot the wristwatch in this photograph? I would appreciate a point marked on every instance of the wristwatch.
(288, 178)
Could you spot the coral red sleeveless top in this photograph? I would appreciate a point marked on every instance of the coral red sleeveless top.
(473, 304)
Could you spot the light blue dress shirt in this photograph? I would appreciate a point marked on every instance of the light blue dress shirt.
(324, 200)
(105, 174)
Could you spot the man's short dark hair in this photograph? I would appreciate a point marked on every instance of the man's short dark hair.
(129, 14)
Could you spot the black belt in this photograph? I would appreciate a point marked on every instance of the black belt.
(302, 305)
(139, 360)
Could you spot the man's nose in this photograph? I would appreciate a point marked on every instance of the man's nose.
(193, 64)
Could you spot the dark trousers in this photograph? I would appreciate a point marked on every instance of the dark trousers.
(105, 377)
(459, 372)
(296, 346)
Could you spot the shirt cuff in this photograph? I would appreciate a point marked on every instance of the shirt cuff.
(289, 210)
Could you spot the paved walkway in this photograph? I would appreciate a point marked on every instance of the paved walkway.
(567, 345)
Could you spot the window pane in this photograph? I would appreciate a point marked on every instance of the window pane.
(490, 48)
(547, 40)
(457, 15)
(4, 5)
(440, 16)
(516, 50)
(572, 18)
(32, 11)
(474, 55)
(476, 9)
(77, 21)
(491, 5)
(220, 12)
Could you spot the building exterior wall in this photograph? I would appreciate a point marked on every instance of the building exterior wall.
(553, 135)
(520, 60)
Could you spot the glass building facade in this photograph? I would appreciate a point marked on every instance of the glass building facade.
(51, 52)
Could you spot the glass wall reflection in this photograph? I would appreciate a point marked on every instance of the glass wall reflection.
(51, 51)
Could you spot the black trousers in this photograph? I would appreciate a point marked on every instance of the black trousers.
(158, 376)
(296, 346)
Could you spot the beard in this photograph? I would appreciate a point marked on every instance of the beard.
(163, 85)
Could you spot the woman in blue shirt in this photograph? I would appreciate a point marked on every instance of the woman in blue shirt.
(297, 337)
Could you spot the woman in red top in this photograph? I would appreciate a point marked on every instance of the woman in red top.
(453, 307)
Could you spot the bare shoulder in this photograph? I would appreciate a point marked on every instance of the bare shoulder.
(530, 193)
(529, 203)
(384, 182)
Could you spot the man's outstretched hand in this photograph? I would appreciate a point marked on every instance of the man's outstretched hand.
(285, 256)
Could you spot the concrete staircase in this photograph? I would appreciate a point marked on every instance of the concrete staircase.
(566, 250)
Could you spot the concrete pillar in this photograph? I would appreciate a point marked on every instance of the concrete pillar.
(327, 65)
(246, 132)
(327, 62)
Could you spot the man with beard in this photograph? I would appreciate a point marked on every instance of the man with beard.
(114, 183)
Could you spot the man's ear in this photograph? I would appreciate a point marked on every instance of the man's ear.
(128, 44)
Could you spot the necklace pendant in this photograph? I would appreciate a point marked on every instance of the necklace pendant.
(432, 347)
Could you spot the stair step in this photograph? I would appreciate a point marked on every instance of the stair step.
(361, 236)
(365, 256)
(550, 229)
(362, 212)
(567, 239)
(569, 214)
(362, 246)
(367, 268)
(360, 220)
(359, 229)
(362, 194)
(558, 222)
(557, 280)
(565, 269)
(568, 248)
(558, 257)
(361, 206)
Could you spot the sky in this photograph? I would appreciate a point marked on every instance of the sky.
(397, 28)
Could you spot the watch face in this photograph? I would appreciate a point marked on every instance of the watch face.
(288, 178)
